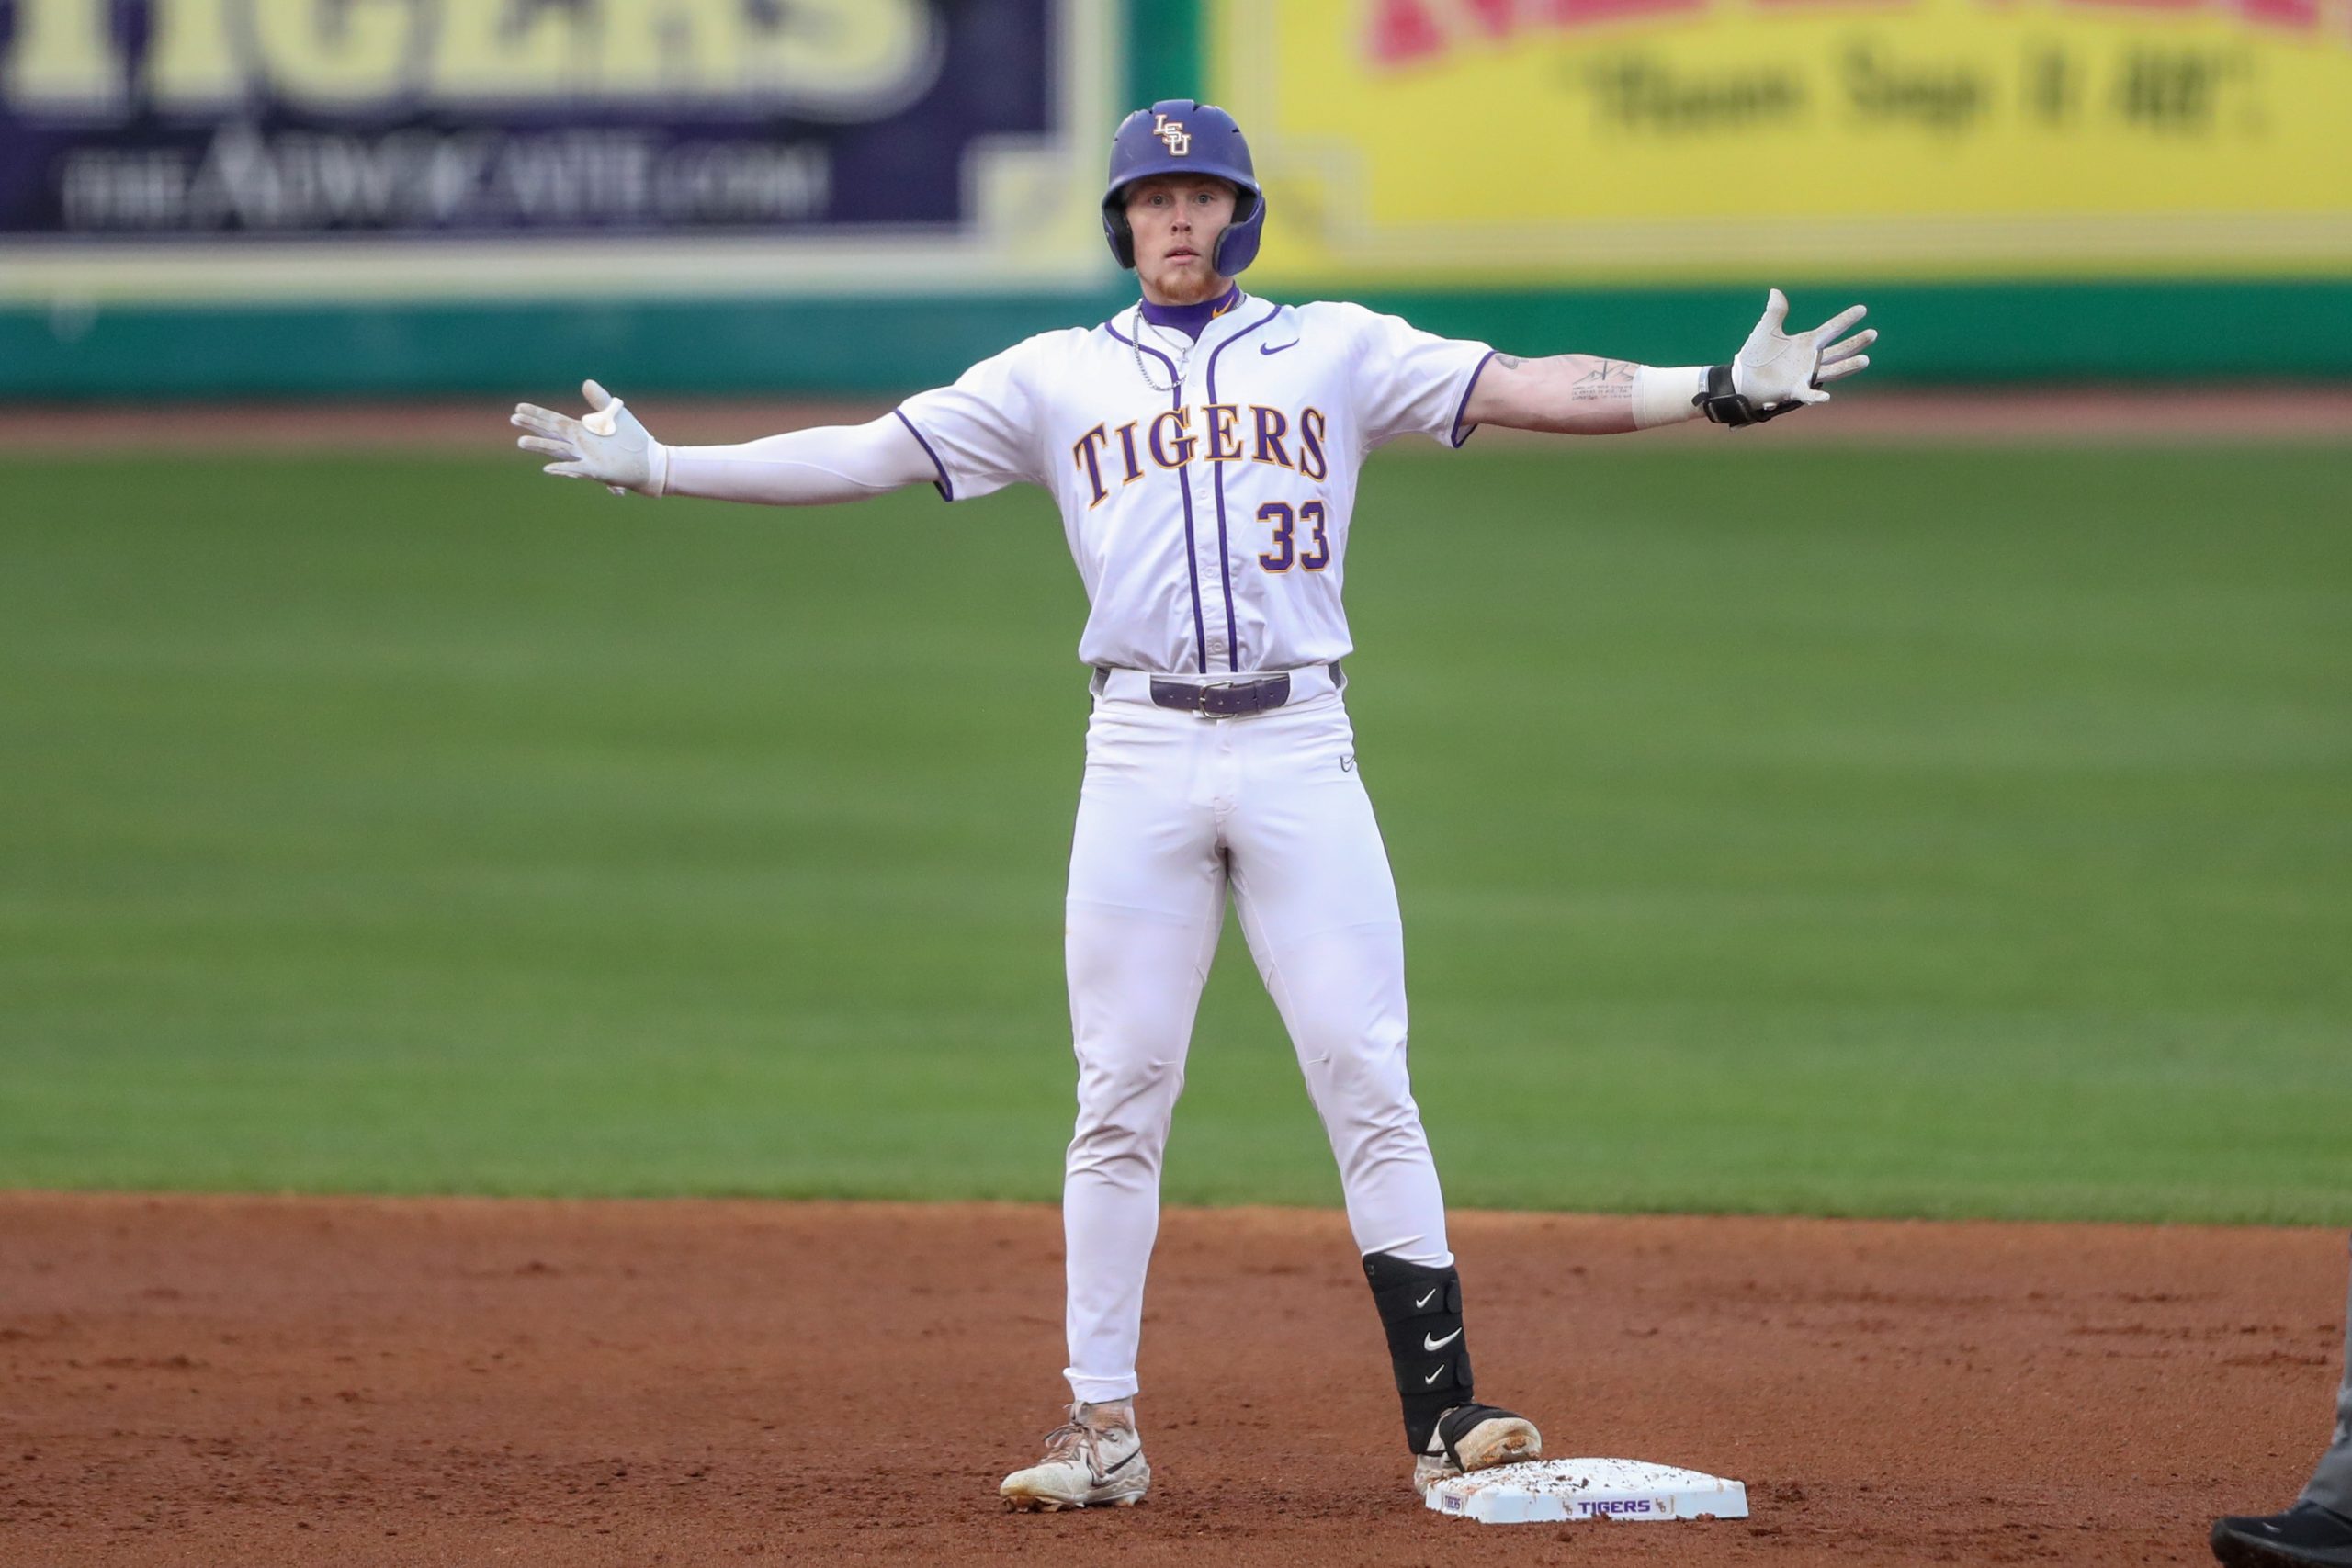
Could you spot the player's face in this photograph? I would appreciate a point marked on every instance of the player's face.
(1176, 223)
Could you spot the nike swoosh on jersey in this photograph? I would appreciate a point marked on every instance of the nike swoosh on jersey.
(1276, 347)
(1430, 1344)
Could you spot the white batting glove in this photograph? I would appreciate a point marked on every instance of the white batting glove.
(1775, 367)
(609, 446)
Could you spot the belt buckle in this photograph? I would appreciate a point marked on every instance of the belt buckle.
(1206, 706)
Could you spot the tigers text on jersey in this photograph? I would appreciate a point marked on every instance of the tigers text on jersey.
(1205, 486)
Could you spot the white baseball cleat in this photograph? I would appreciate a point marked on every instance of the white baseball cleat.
(1092, 1460)
(1474, 1437)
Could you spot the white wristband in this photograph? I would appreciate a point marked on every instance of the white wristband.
(657, 465)
(1666, 394)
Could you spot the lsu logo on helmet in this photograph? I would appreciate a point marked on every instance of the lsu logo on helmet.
(1186, 137)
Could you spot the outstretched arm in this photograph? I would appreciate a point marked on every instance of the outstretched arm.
(1577, 394)
(801, 467)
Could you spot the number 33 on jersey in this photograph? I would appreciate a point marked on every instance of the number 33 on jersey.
(1204, 487)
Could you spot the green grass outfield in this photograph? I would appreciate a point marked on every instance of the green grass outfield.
(1896, 831)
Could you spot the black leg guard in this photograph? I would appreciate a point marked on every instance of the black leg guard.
(1421, 1310)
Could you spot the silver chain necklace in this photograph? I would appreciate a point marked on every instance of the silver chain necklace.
(1135, 341)
(1179, 364)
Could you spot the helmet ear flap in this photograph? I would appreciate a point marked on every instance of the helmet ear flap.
(1238, 246)
(1119, 232)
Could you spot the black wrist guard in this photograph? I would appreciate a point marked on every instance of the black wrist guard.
(1420, 1308)
(1724, 406)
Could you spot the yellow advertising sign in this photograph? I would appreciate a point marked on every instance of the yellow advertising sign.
(1466, 141)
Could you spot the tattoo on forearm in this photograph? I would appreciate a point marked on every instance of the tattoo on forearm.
(1604, 381)
(1575, 391)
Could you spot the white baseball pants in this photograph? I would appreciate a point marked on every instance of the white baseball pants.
(1175, 809)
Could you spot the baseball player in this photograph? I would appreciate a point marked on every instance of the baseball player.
(1203, 448)
(2317, 1532)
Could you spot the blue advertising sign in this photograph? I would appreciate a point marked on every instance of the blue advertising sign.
(128, 123)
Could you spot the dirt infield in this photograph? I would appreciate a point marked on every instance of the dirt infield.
(2043, 416)
(302, 1381)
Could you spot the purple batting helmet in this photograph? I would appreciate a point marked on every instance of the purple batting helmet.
(1177, 136)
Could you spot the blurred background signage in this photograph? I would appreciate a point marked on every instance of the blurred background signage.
(1631, 141)
(171, 145)
(830, 194)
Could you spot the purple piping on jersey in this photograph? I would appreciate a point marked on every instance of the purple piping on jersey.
(1190, 318)
(946, 491)
(1184, 489)
(1224, 550)
(1457, 436)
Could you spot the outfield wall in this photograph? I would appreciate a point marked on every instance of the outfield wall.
(252, 203)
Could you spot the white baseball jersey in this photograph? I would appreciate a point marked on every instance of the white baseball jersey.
(1205, 486)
